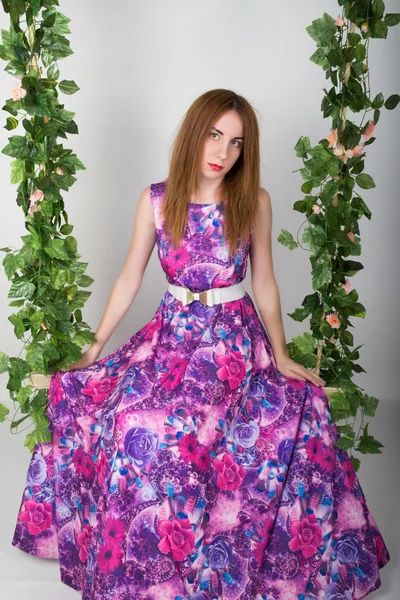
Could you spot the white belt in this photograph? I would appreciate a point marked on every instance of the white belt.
(208, 297)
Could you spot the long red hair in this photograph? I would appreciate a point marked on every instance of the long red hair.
(240, 186)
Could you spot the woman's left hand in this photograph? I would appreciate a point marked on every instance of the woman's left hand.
(289, 368)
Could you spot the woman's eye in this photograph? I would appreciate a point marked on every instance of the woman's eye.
(213, 133)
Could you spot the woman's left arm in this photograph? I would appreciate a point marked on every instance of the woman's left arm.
(266, 293)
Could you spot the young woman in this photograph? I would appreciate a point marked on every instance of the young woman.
(197, 461)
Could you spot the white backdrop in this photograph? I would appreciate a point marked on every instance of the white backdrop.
(139, 66)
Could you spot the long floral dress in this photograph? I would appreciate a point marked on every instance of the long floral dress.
(183, 465)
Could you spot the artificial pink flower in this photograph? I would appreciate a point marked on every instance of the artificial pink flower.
(233, 368)
(18, 92)
(114, 530)
(333, 321)
(100, 389)
(369, 131)
(364, 28)
(37, 196)
(187, 446)
(110, 556)
(83, 540)
(33, 208)
(174, 376)
(177, 538)
(230, 474)
(350, 235)
(358, 150)
(316, 208)
(37, 515)
(332, 138)
(83, 463)
(346, 286)
(350, 475)
(307, 535)
(59, 171)
(46, 119)
(339, 21)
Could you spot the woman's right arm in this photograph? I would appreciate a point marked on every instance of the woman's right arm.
(128, 281)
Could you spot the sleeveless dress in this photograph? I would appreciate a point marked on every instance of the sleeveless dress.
(183, 465)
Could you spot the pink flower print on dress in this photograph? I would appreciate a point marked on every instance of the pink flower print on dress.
(37, 515)
(83, 540)
(110, 556)
(114, 530)
(100, 389)
(261, 544)
(202, 458)
(232, 368)
(174, 376)
(187, 446)
(306, 534)
(230, 474)
(350, 474)
(176, 259)
(177, 538)
(83, 463)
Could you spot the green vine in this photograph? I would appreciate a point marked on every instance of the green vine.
(332, 233)
(45, 273)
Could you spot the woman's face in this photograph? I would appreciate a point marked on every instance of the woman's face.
(222, 146)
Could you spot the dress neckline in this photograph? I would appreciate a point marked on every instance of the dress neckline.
(204, 203)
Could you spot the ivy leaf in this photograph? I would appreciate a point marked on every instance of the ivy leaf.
(3, 362)
(365, 181)
(286, 239)
(356, 463)
(21, 289)
(299, 314)
(40, 434)
(305, 342)
(68, 86)
(368, 444)
(3, 413)
(11, 263)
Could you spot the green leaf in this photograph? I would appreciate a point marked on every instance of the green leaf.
(345, 443)
(84, 337)
(66, 229)
(3, 362)
(370, 404)
(40, 434)
(303, 146)
(299, 314)
(365, 181)
(307, 187)
(392, 101)
(356, 463)
(18, 173)
(21, 289)
(34, 356)
(305, 343)
(321, 274)
(286, 239)
(11, 263)
(68, 86)
(3, 413)
(353, 39)
(56, 249)
(368, 444)
(19, 327)
(392, 19)
(339, 401)
(84, 281)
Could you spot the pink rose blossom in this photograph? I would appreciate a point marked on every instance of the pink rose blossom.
(346, 286)
(369, 131)
(339, 21)
(358, 150)
(332, 138)
(307, 535)
(59, 171)
(37, 515)
(333, 321)
(46, 119)
(37, 196)
(18, 92)
(316, 208)
(230, 474)
(364, 28)
(232, 368)
(177, 538)
(350, 235)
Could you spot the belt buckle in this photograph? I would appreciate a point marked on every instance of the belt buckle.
(205, 297)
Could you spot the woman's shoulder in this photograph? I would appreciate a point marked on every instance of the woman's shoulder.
(157, 189)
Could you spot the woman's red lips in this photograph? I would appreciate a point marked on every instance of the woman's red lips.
(216, 167)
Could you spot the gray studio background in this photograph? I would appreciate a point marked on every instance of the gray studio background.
(139, 66)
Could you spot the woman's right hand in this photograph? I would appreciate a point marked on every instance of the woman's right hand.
(88, 357)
